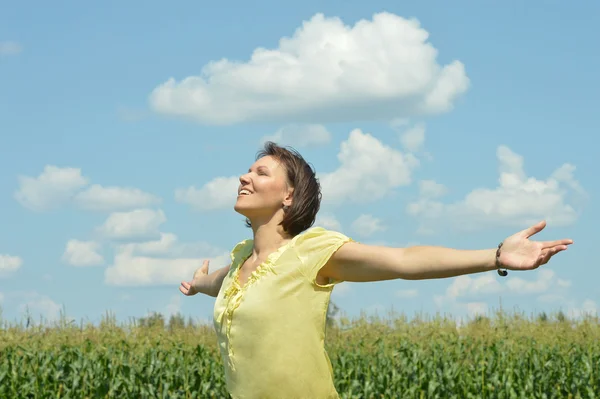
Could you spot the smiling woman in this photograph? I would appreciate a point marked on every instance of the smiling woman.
(271, 301)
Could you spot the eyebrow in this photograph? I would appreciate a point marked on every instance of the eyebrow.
(259, 168)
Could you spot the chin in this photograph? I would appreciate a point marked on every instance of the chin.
(241, 209)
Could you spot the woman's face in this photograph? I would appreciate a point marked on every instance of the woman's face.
(264, 190)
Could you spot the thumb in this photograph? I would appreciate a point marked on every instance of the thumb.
(536, 228)
(201, 271)
(204, 267)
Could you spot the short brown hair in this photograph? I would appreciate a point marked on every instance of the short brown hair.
(307, 191)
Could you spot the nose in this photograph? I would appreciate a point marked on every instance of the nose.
(244, 179)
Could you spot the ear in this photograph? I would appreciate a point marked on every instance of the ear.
(287, 201)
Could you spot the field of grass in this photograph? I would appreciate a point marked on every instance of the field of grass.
(505, 356)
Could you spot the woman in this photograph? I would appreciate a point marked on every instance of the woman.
(271, 301)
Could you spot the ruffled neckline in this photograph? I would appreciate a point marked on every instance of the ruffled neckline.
(245, 250)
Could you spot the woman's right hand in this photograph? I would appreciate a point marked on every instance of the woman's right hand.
(201, 282)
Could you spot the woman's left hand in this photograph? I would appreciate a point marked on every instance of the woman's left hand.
(520, 253)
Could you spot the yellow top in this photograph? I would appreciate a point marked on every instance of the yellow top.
(271, 331)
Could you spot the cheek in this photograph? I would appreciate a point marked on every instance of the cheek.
(272, 194)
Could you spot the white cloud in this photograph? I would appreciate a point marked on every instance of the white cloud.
(407, 294)
(82, 253)
(168, 245)
(299, 136)
(546, 278)
(162, 261)
(377, 69)
(431, 189)
(50, 189)
(156, 247)
(39, 305)
(367, 225)
(174, 306)
(413, 138)
(56, 186)
(328, 221)
(587, 308)
(467, 294)
(219, 193)
(132, 270)
(98, 198)
(369, 170)
(476, 308)
(139, 223)
(10, 48)
(466, 286)
(518, 201)
(9, 264)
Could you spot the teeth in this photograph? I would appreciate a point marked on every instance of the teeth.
(244, 192)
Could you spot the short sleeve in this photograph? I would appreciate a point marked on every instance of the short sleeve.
(314, 248)
(240, 250)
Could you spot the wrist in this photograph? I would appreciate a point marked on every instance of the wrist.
(497, 264)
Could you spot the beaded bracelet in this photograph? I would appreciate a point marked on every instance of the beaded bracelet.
(502, 272)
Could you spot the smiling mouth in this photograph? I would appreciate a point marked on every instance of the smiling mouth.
(244, 192)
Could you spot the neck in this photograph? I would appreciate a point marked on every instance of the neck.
(268, 237)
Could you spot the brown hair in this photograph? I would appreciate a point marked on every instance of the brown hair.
(307, 191)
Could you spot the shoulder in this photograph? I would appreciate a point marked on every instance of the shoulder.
(319, 233)
(317, 240)
(241, 249)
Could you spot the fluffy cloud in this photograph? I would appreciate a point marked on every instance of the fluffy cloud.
(466, 286)
(56, 186)
(9, 264)
(50, 189)
(39, 305)
(518, 200)
(369, 170)
(327, 71)
(467, 294)
(328, 221)
(174, 306)
(139, 223)
(431, 189)
(133, 270)
(587, 308)
(367, 225)
(99, 198)
(82, 253)
(300, 136)
(168, 245)
(163, 261)
(10, 48)
(412, 139)
(219, 193)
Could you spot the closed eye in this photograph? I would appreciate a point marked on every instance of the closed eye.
(262, 171)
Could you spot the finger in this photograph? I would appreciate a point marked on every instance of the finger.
(183, 290)
(549, 253)
(536, 228)
(544, 257)
(550, 244)
(204, 267)
(185, 285)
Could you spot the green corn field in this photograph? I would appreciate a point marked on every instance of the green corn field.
(488, 357)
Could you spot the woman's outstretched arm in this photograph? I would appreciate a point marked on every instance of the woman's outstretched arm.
(360, 263)
(204, 283)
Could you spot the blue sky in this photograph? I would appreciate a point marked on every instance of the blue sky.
(123, 128)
